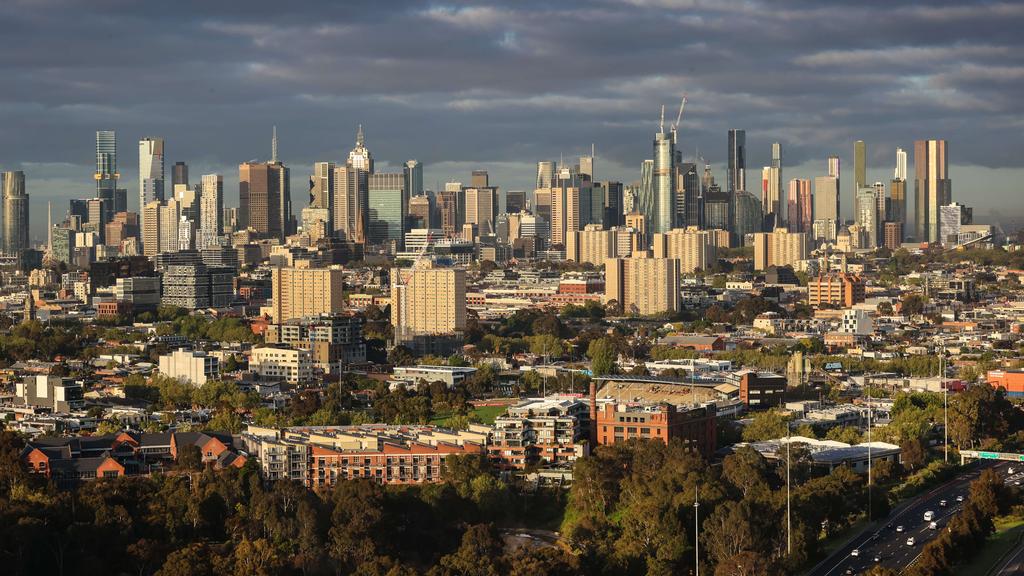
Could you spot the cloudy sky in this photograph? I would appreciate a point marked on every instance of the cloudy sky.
(464, 85)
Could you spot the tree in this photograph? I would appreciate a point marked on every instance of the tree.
(546, 345)
(479, 554)
(401, 356)
(602, 357)
(766, 426)
(847, 434)
(190, 457)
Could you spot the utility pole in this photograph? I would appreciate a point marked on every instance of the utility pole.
(869, 452)
(945, 405)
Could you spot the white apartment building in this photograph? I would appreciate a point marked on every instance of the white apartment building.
(292, 365)
(191, 366)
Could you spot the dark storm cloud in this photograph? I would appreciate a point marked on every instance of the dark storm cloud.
(462, 83)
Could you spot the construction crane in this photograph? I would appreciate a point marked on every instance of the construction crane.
(679, 118)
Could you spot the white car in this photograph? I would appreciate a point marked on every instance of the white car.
(960, 498)
(1010, 471)
(899, 528)
(855, 552)
(910, 541)
(943, 503)
(929, 516)
(933, 525)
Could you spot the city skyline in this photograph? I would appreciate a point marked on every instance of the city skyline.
(954, 90)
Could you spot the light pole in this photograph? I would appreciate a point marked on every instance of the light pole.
(945, 405)
(869, 452)
(696, 533)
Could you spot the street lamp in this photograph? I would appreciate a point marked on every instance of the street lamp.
(696, 533)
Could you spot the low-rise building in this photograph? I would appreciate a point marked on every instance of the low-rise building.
(192, 366)
(334, 341)
(449, 375)
(759, 389)
(617, 423)
(281, 362)
(53, 393)
(540, 430)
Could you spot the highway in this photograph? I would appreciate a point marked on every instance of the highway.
(887, 544)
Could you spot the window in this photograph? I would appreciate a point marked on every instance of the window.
(645, 431)
(618, 429)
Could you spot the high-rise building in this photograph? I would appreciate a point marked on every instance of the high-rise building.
(350, 210)
(481, 208)
(571, 204)
(694, 249)
(860, 178)
(302, 291)
(718, 208)
(479, 179)
(826, 198)
(664, 183)
(151, 170)
(515, 201)
(645, 202)
(779, 248)
(106, 174)
(643, 285)
(799, 213)
(689, 203)
(211, 209)
(932, 187)
(427, 300)
(898, 189)
(772, 204)
(867, 215)
(748, 216)
(169, 216)
(586, 168)
(736, 176)
(893, 235)
(448, 212)
(151, 228)
(951, 218)
(421, 212)
(413, 171)
(388, 203)
(179, 174)
(264, 198)
(15, 213)
(546, 170)
(833, 171)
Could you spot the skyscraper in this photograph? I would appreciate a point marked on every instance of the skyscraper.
(826, 208)
(932, 187)
(351, 183)
(689, 203)
(106, 175)
(179, 174)
(261, 188)
(211, 209)
(481, 208)
(867, 216)
(15, 213)
(736, 177)
(664, 185)
(833, 170)
(860, 178)
(388, 203)
(645, 201)
(798, 205)
(414, 178)
(151, 170)
(898, 189)
(545, 174)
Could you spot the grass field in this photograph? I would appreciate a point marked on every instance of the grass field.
(1008, 532)
(486, 414)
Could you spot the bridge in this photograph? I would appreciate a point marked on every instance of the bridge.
(983, 455)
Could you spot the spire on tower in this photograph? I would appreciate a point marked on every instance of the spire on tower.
(273, 147)
(359, 136)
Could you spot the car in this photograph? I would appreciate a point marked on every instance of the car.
(928, 516)
(1016, 482)
(850, 571)
(899, 528)
(933, 525)
(1010, 471)
(855, 552)
(960, 498)
(878, 557)
(910, 541)
(943, 503)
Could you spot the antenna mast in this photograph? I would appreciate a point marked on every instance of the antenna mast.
(273, 147)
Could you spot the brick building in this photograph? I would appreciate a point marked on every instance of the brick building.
(618, 423)
(839, 290)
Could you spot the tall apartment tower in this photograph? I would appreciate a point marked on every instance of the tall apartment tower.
(428, 300)
(106, 175)
(151, 170)
(211, 209)
(736, 176)
(302, 291)
(643, 285)
(664, 182)
(860, 178)
(898, 189)
(932, 187)
(14, 240)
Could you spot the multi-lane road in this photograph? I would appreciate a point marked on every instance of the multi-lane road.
(887, 544)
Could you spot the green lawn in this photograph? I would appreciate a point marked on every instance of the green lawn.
(486, 414)
(1008, 533)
